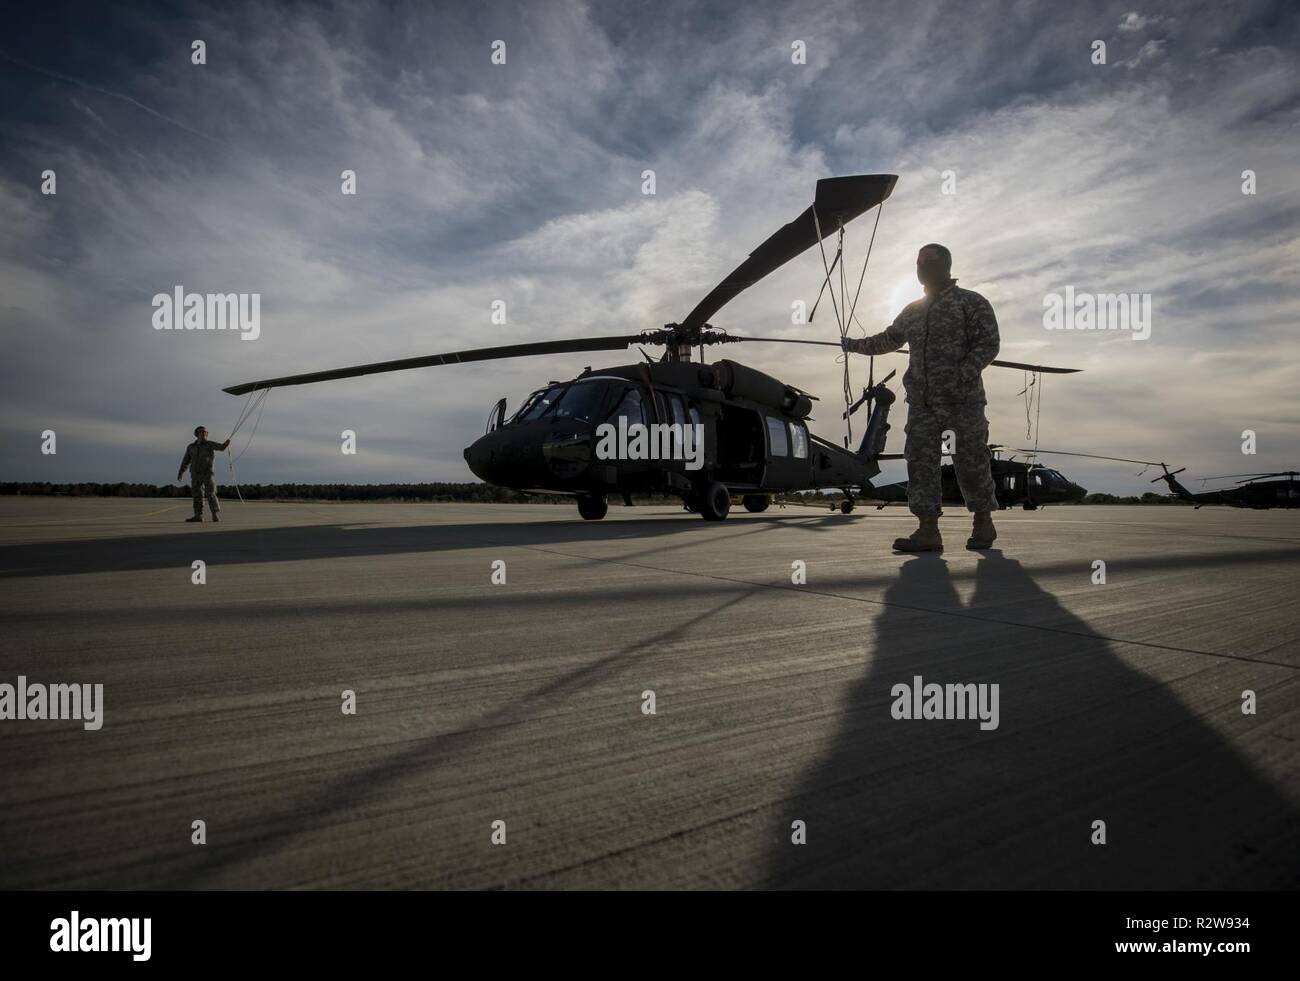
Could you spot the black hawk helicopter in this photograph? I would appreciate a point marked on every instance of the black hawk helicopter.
(1028, 483)
(1256, 491)
(756, 439)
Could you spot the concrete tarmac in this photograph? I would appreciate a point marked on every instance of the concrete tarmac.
(1120, 705)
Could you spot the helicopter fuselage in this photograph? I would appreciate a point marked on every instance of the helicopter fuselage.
(755, 435)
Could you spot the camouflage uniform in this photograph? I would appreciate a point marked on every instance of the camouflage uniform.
(198, 457)
(951, 335)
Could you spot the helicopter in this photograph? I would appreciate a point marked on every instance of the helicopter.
(753, 430)
(1030, 485)
(1256, 491)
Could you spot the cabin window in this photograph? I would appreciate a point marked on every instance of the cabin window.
(776, 437)
(799, 440)
(678, 410)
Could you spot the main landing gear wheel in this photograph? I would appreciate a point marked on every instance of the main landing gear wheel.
(846, 506)
(715, 502)
(756, 503)
(592, 508)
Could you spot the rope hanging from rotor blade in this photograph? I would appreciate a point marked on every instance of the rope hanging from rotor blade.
(839, 319)
(822, 290)
(1038, 416)
(259, 404)
(863, 275)
(848, 385)
(871, 361)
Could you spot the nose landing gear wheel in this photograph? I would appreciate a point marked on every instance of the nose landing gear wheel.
(846, 506)
(592, 508)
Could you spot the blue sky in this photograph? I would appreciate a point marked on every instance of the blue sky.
(522, 182)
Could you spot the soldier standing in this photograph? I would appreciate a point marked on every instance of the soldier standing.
(952, 336)
(198, 458)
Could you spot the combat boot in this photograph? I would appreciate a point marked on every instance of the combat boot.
(982, 532)
(215, 518)
(925, 539)
(197, 517)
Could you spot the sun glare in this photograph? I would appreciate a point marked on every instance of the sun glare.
(904, 293)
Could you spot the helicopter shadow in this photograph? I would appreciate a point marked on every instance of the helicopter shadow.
(328, 540)
(1083, 736)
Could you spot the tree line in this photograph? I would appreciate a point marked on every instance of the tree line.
(432, 492)
(474, 492)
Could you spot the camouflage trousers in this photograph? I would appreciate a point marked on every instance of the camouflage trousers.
(201, 486)
(968, 440)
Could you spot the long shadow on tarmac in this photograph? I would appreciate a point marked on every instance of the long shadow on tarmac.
(299, 543)
(1083, 737)
(277, 830)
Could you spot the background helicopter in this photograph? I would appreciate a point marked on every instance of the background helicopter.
(756, 437)
(1257, 491)
(1029, 484)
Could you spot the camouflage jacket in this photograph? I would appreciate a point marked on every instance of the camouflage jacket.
(951, 337)
(198, 457)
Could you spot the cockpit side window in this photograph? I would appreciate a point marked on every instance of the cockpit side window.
(630, 407)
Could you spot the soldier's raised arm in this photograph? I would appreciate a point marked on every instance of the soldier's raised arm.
(982, 338)
(890, 339)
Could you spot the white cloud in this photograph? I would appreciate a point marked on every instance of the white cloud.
(523, 184)
(1132, 22)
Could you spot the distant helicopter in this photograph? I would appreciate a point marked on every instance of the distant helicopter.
(1028, 484)
(755, 434)
(1257, 491)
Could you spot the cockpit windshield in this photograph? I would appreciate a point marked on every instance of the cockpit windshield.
(538, 403)
(1053, 479)
(581, 401)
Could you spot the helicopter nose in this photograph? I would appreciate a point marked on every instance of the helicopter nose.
(528, 455)
(1077, 493)
(499, 459)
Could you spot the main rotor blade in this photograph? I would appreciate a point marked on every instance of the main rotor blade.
(1252, 476)
(456, 357)
(838, 201)
(1045, 368)
(1090, 456)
